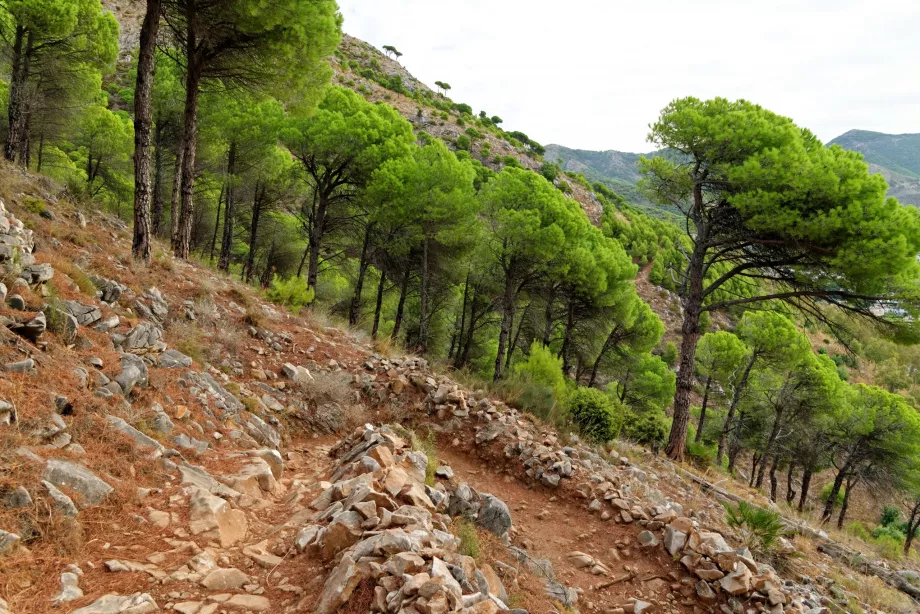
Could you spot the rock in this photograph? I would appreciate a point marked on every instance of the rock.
(674, 540)
(307, 536)
(16, 302)
(110, 323)
(738, 582)
(228, 579)
(8, 542)
(109, 291)
(274, 461)
(62, 503)
(494, 582)
(32, 329)
(138, 603)
(70, 589)
(18, 498)
(297, 374)
(37, 273)
(253, 603)
(208, 513)
(79, 479)
(338, 587)
(643, 607)
(7, 413)
(61, 323)
(494, 515)
(143, 338)
(647, 539)
(174, 359)
(444, 472)
(705, 592)
(344, 531)
(162, 424)
(140, 440)
(133, 373)
(85, 315)
(21, 366)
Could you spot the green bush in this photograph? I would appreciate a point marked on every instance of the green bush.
(891, 531)
(890, 515)
(859, 530)
(889, 546)
(760, 529)
(564, 187)
(550, 171)
(512, 162)
(473, 133)
(595, 414)
(463, 142)
(669, 353)
(701, 455)
(293, 293)
(648, 429)
(542, 367)
(463, 108)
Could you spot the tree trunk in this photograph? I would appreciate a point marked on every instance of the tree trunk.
(423, 301)
(567, 337)
(378, 304)
(790, 492)
(25, 142)
(735, 447)
(768, 449)
(690, 336)
(220, 204)
(254, 230)
(773, 468)
(19, 75)
(755, 462)
(354, 311)
(912, 523)
(460, 333)
(548, 317)
(157, 221)
(400, 307)
(806, 483)
(846, 502)
(143, 92)
(835, 489)
(513, 343)
(189, 135)
(316, 237)
(176, 195)
(608, 345)
(505, 330)
(736, 398)
(699, 425)
(226, 241)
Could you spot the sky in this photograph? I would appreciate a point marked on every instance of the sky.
(592, 74)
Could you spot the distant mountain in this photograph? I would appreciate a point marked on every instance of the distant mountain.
(895, 156)
(616, 169)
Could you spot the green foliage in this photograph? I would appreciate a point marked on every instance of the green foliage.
(760, 529)
(826, 494)
(890, 515)
(701, 454)
(550, 171)
(463, 142)
(649, 428)
(542, 367)
(669, 354)
(463, 109)
(859, 530)
(469, 538)
(597, 416)
(293, 293)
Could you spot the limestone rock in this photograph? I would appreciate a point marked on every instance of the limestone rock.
(208, 513)
(494, 515)
(79, 479)
(138, 603)
(225, 579)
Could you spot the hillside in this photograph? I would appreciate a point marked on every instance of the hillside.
(895, 156)
(169, 444)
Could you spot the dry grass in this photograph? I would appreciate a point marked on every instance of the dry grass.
(872, 592)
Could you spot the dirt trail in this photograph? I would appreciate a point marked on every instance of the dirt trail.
(550, 527)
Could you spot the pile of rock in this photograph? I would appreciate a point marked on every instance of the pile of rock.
(387, 530)
(16, 244)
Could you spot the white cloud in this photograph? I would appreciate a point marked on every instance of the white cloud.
(592, 74)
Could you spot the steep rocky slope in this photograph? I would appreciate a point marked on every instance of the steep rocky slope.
(167, 441)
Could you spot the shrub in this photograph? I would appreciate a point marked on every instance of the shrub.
(463, 108)
(542, 367)
(669, 353)
(859, 530)
(891, 531)
(700, 454)
(595, 414)
(512, 162)
(890, 515)
(293, 293)
(889, 546)
(550, 171)
(760, 529)
(564, 187)
(473, 133)
(463, 142)
(647, 429)
(469, 538)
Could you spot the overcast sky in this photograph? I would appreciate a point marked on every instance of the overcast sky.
(592, 74)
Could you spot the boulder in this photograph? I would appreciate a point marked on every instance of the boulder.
(140, 440)
(8, 542)
(62, 503)
(174, 359)
(494, 515)
(738, 582)
(65, 474)
(225, 579)
(339, 586)
(210, 513)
